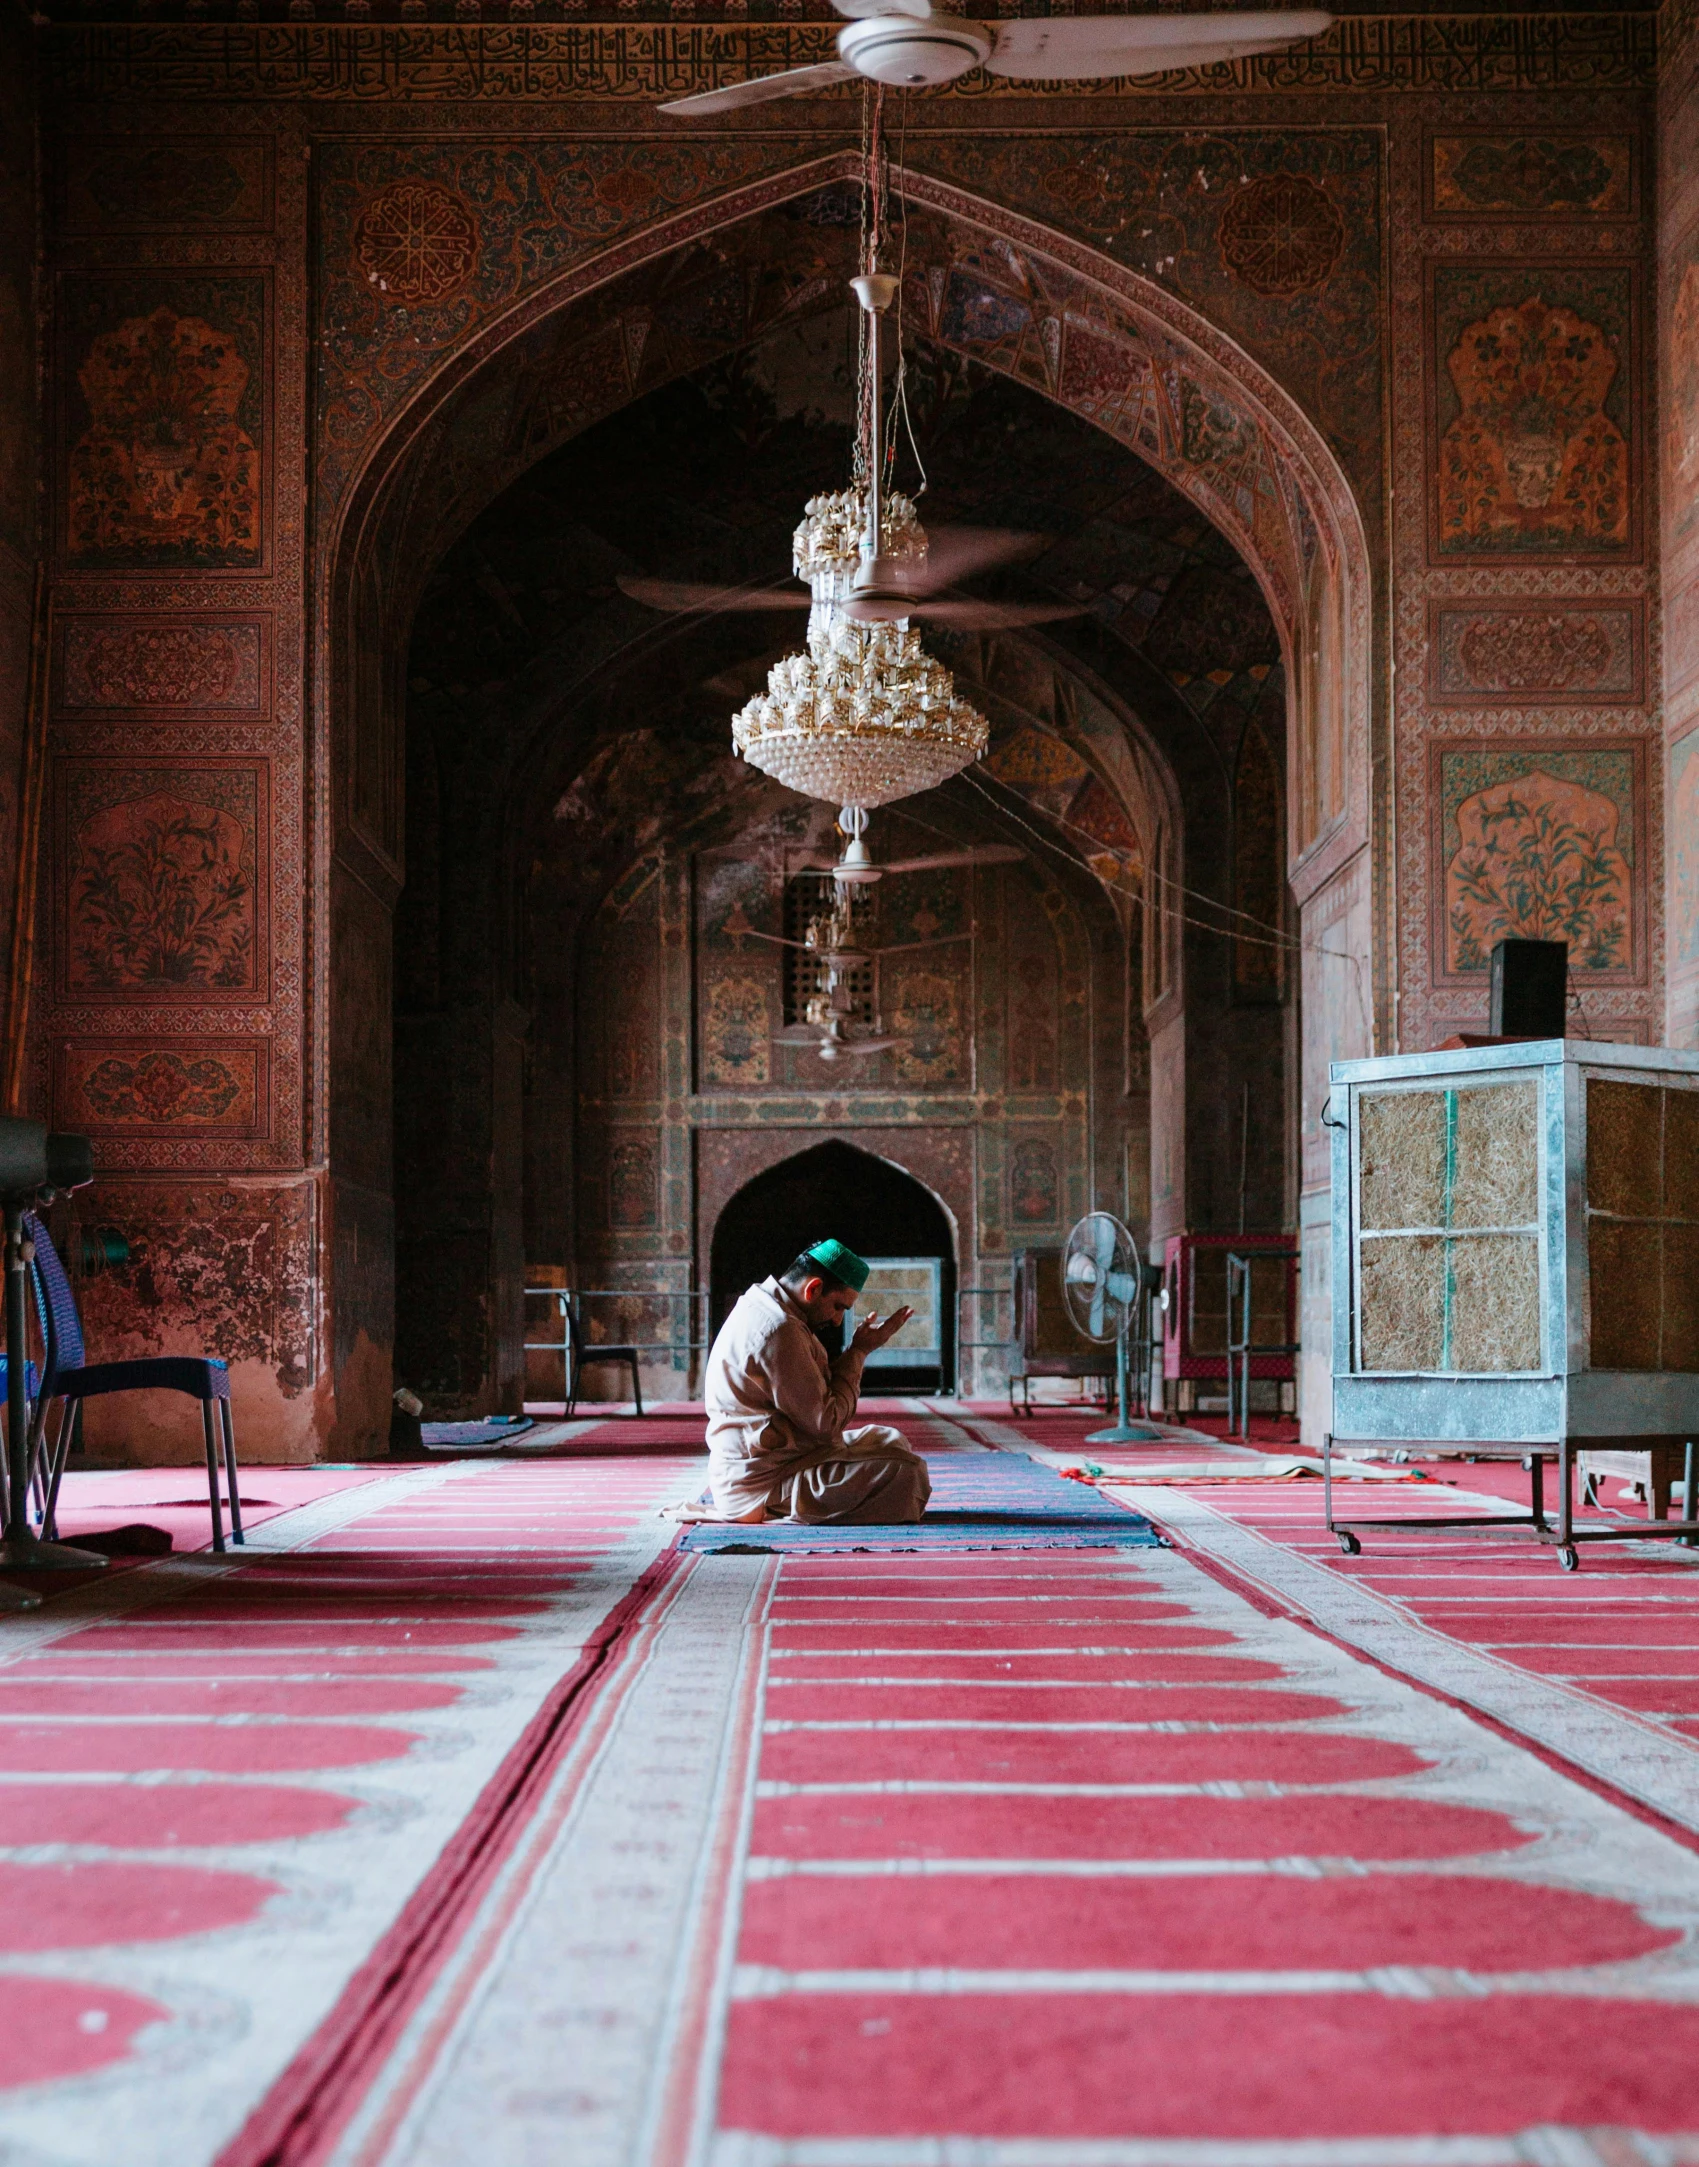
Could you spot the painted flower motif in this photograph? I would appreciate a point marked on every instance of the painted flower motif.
(1538, 859)
(164, 466)
(160, 1088)
(161, 897)
(626, 188)
(1533, 459)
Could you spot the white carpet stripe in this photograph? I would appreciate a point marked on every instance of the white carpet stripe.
(1632, 1752)
(1298, 1866)
(765, 1982)
(1540, 2147)
(917, 1787)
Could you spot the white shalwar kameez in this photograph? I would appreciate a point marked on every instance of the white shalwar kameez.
(776, 1414)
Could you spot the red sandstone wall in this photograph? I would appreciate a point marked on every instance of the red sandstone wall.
(20, 440)
(1490, 176)
(1678, 434)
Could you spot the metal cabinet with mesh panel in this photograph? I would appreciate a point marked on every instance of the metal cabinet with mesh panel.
(1195, 1324)
(1516, 1246)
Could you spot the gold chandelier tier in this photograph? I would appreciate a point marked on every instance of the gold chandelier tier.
(863, 717)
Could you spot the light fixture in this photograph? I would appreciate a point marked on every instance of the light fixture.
(864, 715)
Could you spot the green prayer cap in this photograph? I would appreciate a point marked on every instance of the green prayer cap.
(842, 1263)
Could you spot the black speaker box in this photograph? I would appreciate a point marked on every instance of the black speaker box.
(1530, 989)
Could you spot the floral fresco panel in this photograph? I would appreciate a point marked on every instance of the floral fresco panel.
(1533, 411)
(1684, 849)
(1539, 840)
(633, 1183)
(737, 1026)
(143, 1087)
(162, 879)
(1681, 389)
(1559, 653)
(1034, 1183)
(108, 664)
(925, 1011)
(163, 415)
(166, 184)
(1476, 174)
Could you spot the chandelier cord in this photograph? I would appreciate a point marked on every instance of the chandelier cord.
(899, 397)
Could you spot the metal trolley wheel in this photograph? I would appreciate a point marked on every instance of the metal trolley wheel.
(1569, 1557)
(1350, 1545)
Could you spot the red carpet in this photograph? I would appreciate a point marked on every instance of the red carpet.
(465, 1832)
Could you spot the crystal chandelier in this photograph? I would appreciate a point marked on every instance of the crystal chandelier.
(865, 714)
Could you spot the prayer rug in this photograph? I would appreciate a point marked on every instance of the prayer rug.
(1597, 1666)
(980, 1501)
(825, 1887)
(464, 1436)
(225, 1780)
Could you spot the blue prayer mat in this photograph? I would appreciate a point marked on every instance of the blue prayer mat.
(980, 1501)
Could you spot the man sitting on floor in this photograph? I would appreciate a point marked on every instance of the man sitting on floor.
(777, 1445)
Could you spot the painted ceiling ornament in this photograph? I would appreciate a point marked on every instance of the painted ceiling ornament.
(417, 241)
(1282, 234)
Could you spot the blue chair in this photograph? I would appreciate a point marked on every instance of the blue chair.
(68, 1377)
(31, 1388)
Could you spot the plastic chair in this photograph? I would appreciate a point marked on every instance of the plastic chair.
(585, 1354)
(69, 1378)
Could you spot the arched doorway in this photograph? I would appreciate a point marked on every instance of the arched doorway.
(835, 1189)
(429, 473)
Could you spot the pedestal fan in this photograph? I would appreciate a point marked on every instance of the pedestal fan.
(1103, 1282)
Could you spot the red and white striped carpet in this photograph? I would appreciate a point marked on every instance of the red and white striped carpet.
(471, 1824)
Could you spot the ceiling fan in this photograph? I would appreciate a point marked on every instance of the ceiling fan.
(859, 868)
(831, 1027)
(919, 587)
(911, 45)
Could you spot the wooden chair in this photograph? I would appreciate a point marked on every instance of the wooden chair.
(68, 1377)
(582, 1354)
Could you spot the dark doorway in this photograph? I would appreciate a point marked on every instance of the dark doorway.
(836, 1190)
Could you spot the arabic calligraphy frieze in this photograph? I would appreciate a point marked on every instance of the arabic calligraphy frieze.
(539, 62)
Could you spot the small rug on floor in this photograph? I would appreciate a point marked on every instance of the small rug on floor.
(998, 1502)
(466, 1436)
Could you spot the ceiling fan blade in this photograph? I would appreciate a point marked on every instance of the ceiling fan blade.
(939, 940)
(957, 553)
(969, 616)
(981, 854)
(688, 595)
(1077, 47)
(760, 88)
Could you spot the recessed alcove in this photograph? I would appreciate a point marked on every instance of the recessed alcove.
(834, 1189)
